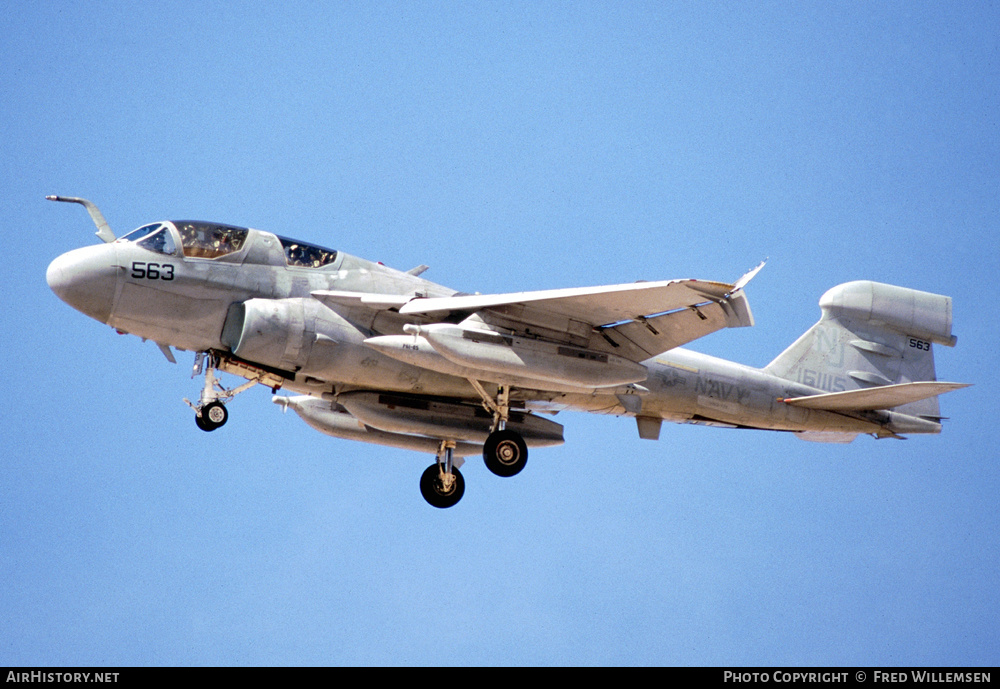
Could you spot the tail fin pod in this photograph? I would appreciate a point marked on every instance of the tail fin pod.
(871, 334)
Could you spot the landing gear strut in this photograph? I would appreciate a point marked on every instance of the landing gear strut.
(442, 484)
(210, 412)
(504, 451)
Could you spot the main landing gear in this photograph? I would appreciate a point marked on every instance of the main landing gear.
(504, 451)
(210, 411)
(442, 484)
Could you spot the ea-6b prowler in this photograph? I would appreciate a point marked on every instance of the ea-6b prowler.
(384, 356)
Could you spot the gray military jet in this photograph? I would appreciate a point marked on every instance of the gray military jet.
(386, 357)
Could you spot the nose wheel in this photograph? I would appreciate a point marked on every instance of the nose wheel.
(211, 416)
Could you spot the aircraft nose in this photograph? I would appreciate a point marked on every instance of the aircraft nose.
(85, 279)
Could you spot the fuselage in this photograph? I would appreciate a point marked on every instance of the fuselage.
(204, 286)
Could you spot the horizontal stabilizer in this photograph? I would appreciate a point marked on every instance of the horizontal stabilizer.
(883, 397)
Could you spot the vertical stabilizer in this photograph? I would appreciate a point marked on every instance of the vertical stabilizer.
(871, 334)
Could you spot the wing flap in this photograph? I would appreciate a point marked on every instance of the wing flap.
(882, 397)
(644, 338)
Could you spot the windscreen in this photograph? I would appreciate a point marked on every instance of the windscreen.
(137, 234)
(161, 242)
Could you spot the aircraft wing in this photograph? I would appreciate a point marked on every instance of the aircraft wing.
(605, 304)
(635, 321)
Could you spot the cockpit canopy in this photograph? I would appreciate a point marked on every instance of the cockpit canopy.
(306, 255)
(214, 240)
(210, 240)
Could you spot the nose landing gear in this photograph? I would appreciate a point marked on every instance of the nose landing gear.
(210, 412)
(213, 415)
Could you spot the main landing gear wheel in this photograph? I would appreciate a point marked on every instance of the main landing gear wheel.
(213, 415)
(440, 489)
(505, 453)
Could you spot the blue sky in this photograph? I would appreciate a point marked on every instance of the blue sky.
(509, 146)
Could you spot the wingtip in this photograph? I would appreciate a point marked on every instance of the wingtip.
(748, 276)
